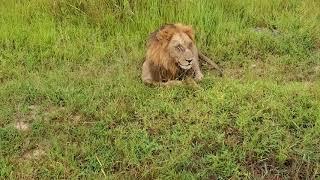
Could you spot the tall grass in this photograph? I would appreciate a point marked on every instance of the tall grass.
(70, 70)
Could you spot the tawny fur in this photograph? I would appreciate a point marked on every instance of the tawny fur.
(166, 65)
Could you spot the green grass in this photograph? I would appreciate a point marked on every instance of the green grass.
(71, 70)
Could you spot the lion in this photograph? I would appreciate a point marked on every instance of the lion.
(172, 56)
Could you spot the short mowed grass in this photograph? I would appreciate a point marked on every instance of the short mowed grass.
(70, 71)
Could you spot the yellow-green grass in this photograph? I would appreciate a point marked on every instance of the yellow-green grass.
(70, 70)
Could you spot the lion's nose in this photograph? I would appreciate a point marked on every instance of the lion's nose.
(189, 60)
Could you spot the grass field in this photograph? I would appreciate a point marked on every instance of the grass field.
(72, 104)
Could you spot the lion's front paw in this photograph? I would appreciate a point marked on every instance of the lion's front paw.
(173, 83)
(198, 77)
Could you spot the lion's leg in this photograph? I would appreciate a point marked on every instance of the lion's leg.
(148, 79)
(198, 74)
(163, 84)
(146, 74)
(171, 83)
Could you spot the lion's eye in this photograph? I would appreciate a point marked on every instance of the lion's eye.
(190, 45)
(180, 48)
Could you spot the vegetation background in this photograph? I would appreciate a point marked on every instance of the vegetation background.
(72, 104)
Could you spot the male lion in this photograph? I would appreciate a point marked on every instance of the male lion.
(172, 56)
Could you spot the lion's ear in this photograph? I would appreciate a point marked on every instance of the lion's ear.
(189, 31)
(164, 34)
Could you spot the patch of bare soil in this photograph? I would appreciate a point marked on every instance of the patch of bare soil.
(300, 74)
(278, 72)
(233, 137)
(34, 154)
(257, 69)
(23, 121)
(62, 114)
(22, 126)
(270, 168)
(236, 72)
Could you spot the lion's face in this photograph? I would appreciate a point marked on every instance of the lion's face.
(182, 50)
(172, 47)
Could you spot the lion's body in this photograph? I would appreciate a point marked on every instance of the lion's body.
(171, 55)
(158, 73)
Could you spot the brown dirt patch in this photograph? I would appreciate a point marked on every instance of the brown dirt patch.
(22, 126)
(233, 136)
(270, 168)
(23, 121)
(34, 154)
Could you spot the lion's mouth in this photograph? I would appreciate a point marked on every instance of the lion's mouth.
(188, 66)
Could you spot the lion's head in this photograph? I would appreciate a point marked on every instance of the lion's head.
(173, 47)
